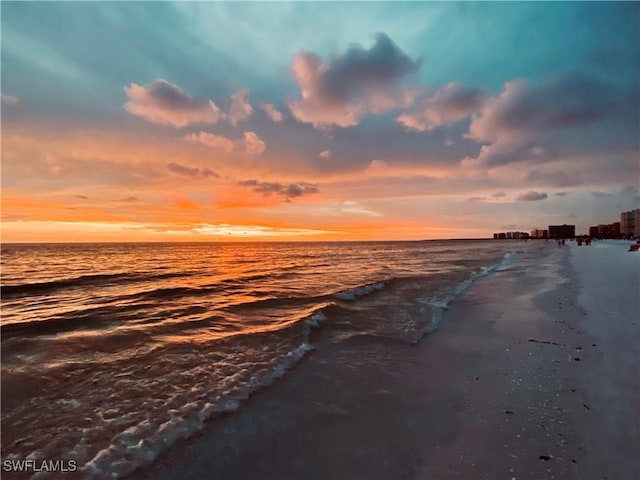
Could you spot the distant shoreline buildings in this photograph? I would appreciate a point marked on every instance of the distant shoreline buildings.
(553, 232)
(627, 227)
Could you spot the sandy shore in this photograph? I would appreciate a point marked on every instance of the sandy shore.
(533, 374)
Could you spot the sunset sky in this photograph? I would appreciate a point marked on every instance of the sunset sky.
(316, 121)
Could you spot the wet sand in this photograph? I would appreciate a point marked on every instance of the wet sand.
(533, 374)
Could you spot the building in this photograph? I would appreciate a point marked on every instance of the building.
(611, 230)
(511, 236)
(537, 233)
(562, 231)
(630, 223)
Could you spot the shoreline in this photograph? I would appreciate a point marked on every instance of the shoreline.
(508, 387)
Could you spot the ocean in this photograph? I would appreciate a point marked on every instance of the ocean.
(113, 352)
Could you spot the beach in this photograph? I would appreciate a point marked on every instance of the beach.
(533, 373)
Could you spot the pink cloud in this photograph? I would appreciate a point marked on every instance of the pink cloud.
(251, 143)
(241, 109)
(272, 112)
(325, 154)
(446, 106)
(167, 104)
(343, 89)
(213, 141)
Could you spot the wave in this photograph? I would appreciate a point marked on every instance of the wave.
(353, 293)
(39, 288)
(440, 301)
(139, 445)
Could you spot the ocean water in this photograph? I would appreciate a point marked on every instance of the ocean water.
(112, 352)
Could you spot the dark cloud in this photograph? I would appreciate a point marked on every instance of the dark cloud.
(191, 171)
(474, 199)
(567, 101)
(561, 194)
(499, 195)
(165, 103)
(82, 197)
(554, 177)
(531, 196)
(289, 191)
(129, 199)
(522, 121)
(630, 190)
(346, 87)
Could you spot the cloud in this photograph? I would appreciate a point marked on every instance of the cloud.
(251, 143)
(212, 141)
(191, 171)
(272, 112)
(129, 199)
(82, 197)
(601, 194)
(241, 109)
(9, 99)
(474, 199)
(450, 104)
(519, 123)
(630, 190)
(167, 104)
(346, 87)
(325, 154)
(531, 196)
(288, 191)
(499, 195)
(561, 194)
(554, 176)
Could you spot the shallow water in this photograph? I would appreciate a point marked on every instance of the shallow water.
(112, 352)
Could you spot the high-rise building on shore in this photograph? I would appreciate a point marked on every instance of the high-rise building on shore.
(630, 223)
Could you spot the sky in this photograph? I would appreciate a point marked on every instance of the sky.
(210, 121)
